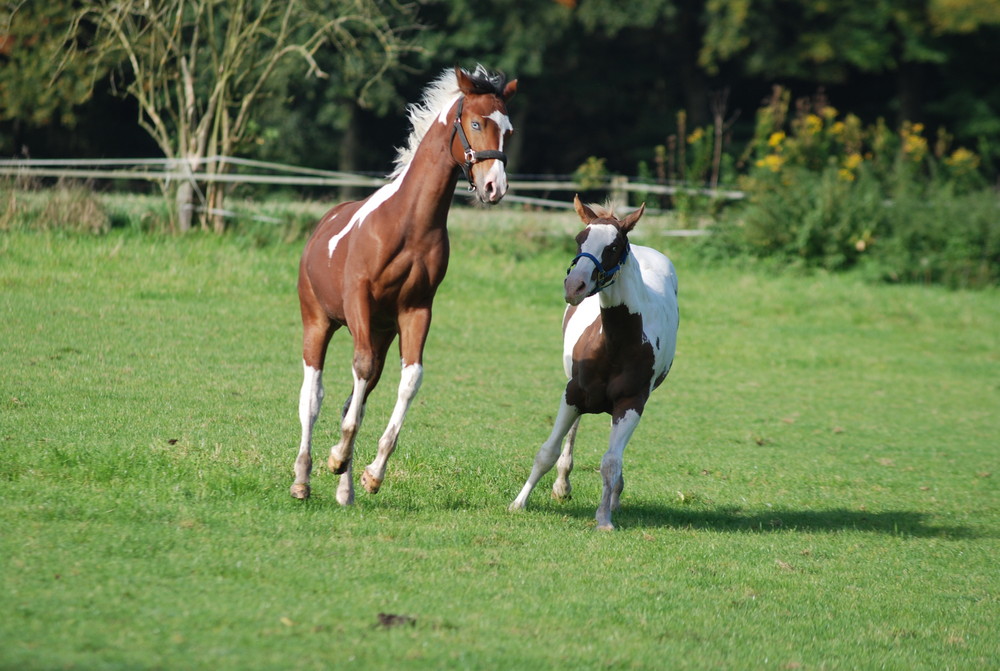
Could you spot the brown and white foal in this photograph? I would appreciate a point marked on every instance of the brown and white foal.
(619, 337)
(374, 265)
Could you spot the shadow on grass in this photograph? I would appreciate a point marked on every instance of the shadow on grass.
(893, 522)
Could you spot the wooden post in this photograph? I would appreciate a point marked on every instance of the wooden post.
(619, 195)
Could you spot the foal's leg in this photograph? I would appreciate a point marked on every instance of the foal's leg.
(623, 423)
(316, 336)
(548, 452)
(413, 328)
(561, 488)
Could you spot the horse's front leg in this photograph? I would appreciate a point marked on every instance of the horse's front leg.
(548, 452)
(316, 333)
(310, 401)
(413, 328)
(624, 419)
(561, 488)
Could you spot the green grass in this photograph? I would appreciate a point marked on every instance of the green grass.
(815, 486)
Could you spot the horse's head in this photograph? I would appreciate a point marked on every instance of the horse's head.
(602, 249)
(481, 128)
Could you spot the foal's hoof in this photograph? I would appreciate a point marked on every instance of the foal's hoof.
(370, 482)
(337, 467)
(300, 491)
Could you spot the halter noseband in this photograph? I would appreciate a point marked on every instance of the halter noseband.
(605, 278)
(471, 155)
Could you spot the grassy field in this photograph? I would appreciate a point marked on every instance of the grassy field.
(814, 487)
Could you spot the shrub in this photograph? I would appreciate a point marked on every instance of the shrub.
(825, 191)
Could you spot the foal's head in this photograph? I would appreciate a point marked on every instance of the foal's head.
(481, 129)
(602, 250)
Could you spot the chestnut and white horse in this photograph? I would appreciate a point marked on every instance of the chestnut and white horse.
(374, 265)
(619, 337)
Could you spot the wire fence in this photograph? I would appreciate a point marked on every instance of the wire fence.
(249, 171)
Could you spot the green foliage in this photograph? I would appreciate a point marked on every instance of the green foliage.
(39, 85)
(799, 494)
(826, 191)
(591, 174)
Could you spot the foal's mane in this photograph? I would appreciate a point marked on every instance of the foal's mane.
(605, 211)
(439, 95)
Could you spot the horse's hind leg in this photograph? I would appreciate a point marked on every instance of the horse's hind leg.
(548, 452)
(369, 358)
(561, 488)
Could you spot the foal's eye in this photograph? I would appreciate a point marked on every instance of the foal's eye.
(476, 126)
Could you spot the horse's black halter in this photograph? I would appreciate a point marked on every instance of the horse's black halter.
(605, 278)
(471, 155)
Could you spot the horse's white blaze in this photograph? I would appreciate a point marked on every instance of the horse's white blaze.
(503, 123)
(383, 194)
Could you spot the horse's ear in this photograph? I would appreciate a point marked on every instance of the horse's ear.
(465, 84)
(586, 214)
(630, 220)
(509, 90)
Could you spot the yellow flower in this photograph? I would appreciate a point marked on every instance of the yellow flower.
(837, 128)
(853, 161)
(845, 175)
(696, 135)
(776, 138)
(813, 124)
(829, 113)
(772, 162)
(963, 159)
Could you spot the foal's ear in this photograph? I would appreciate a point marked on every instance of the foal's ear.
(465, 84)
(509, 90)
(630, 220)
(586, 214)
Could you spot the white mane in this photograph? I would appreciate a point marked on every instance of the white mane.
(437, 97)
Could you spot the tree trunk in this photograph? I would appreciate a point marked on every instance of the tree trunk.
(350, 149)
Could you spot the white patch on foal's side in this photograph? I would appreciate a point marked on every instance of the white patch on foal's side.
(383, 194)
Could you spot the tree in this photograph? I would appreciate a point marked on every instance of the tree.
(32, 37)
(199, 68)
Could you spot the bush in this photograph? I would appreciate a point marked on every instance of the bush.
(825, 191)
(939, 237)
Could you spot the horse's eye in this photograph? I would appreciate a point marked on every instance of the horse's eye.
(476, 126)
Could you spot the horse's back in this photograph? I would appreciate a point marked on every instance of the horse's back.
(657, 272)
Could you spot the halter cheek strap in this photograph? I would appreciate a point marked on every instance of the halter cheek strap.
(605, 278)
(471, 155)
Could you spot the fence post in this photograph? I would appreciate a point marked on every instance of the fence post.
(619, 196)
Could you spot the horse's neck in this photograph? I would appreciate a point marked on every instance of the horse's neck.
(428, 182)
(628, 288)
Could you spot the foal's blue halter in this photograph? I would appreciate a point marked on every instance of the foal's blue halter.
(605, 278)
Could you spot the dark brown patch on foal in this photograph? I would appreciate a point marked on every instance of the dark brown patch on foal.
(610, 366)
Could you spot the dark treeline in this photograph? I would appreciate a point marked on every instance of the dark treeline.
(600, 78)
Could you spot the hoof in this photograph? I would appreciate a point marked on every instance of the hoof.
(370, 482)
(561, 494)
(300, 491)
(606, 527)
(337, 467)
